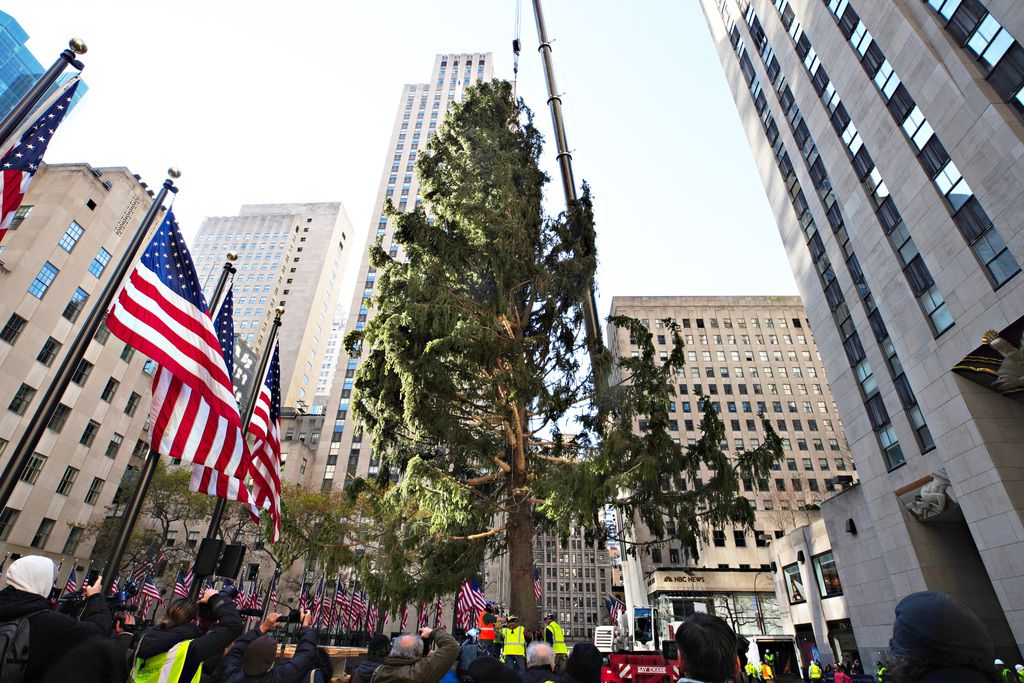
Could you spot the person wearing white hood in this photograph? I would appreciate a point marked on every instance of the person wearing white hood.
(51, 634)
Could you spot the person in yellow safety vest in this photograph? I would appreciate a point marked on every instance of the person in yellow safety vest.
(174, 651)
(751, 670)
(880, 672)
(766, 672)
(814, 671)
(556, 639)
(514, 650)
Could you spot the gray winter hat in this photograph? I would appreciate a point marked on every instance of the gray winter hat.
(932, 626)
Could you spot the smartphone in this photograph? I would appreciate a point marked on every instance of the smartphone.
(91, 577)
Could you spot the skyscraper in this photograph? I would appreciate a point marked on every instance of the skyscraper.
(747, 355)
(887, 136)
(63, 245)
(422, 108)
(19, 68)
(291, 255)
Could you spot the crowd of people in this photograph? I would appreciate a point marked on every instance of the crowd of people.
(935, 640)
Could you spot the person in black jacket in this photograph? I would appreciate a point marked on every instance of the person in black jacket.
(584, 665)
(252, 656)
(377, 651)
(51, 634)
(180, 625)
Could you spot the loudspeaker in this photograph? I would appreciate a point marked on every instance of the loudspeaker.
(254, 572)
(775, 567)
(231, 561)
(206, 558)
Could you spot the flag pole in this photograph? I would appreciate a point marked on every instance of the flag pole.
(250, 407)
(270, 591)
(68, 365)
(36, 92)
(134, 506)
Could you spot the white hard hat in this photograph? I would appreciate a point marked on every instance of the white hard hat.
(473, 632)
(999, 662)
(1019, 667)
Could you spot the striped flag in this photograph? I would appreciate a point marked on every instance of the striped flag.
(115, 586)
(303, 598)
(371, 618)
(72, 584)
(161, 312)
(265, 428)
(184, 583)
(273, 597)
(469, 601)
(424, 619)
(537, 587)
(21, 159)
(151, 592)
(337, 603)
(405, 617)
(356, 607)
(241, 599)
(318, 601)
(437, 613)
(615, 609)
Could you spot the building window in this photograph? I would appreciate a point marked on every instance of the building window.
(89, 434)
(794, 584)
(82, 373)
(7, 519)
(95, 488)
(100, 262)
(43, 533)
(114, 446)
(71, 236)
(76, 304)
(12, 330)
(110, 389)
(34, 467)
(827, 574)
(132, 405)
(22, 398)
(60, 418)
(171, 537)
(739, 536)
(127, 353)
(43, 280)
(20, 215)
(193, 539)
(67, 481)
(718, 536)
(102, 334)
(47, 354)
(74, 538)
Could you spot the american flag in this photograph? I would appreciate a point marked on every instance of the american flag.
(256, 597)
(141, 570)
(241, 599)
(615, 609)
(161, 312)
(356, 607)
(318, 601)
(72, 585)
(424, 619)
(115, 586)
(303, 598)
(537, 587)
(273, 596)
(371, 618)
(151, 592)
(469, 601)
(20, 160)
(337, 602)
(437, 612)
(184, 583)
(265, 427)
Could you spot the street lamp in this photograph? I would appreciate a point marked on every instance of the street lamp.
(757, 602)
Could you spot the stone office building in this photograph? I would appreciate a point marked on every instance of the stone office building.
(888, 137)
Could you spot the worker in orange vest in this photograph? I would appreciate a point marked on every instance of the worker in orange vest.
(485, 621)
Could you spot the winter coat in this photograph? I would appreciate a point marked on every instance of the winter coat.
(51, 634)
(295, 670)
(364, 672)
(204, 645)
(843, 678)
(539, 674)
(429, 669)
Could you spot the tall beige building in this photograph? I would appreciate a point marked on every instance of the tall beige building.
(748, 355)
(65, 241)
(422, 108)
(288, 254)
(888, 139)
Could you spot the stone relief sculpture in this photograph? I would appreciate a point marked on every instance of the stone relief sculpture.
(931, 499)
(1010, 374)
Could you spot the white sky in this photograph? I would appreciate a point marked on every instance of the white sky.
(261, 101)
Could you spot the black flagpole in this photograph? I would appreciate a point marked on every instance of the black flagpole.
(134, 506)
(270, 591)
(36, 92)
(250, 407)
(68, 365)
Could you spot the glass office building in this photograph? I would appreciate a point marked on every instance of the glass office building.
(19, 68)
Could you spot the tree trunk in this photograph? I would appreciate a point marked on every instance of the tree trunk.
(520, 563)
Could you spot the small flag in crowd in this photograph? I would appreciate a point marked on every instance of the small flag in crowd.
(72, 584)
(424, 618)
(115, 586)
(537, 587)
(20, 160)
(161, 312)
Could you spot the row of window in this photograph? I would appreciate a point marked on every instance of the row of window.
(970, 218)
(9, 517)
(752, 371)
(757, 389)
(727, 323)
(903, 245)
(826, 575)
(873, 402)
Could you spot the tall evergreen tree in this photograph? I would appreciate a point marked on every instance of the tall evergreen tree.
(472, 367)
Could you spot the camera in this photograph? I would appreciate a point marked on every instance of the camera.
(71, 603)
(294, 617)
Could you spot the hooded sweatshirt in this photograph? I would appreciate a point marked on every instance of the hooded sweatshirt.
(51, 633)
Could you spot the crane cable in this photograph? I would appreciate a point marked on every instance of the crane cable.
(516, 46)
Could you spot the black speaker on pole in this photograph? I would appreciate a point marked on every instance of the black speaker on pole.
(254, 572)
(231, 561)
(206, 558)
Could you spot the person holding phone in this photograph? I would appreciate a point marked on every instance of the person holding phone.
(174, 652)
(252, 656)
(25, 601)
